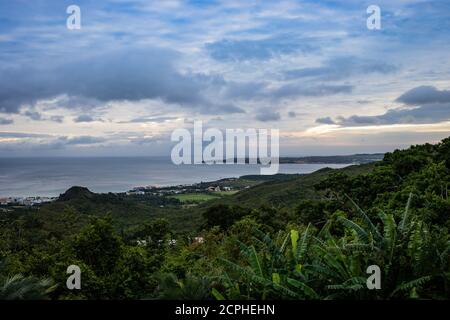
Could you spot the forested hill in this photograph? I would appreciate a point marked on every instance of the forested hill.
(354, 158)
(289, 191)
(78, 205)
(307, 236)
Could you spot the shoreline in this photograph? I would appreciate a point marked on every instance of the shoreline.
(152, 188)
(50, 180)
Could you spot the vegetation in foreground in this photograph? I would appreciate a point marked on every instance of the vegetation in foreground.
(310, 237)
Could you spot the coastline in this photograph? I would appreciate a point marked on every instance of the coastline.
(49, 178)
(230, 183)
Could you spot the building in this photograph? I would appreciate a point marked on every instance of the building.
(214, 189)
(135, 193)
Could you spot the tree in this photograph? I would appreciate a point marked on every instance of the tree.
(99, 246)
(223, 215)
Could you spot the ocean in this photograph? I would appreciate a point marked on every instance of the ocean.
(22, 177)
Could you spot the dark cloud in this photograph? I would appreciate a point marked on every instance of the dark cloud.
(84, 118)
(299, 90)
(135, 75)
(244, 90)
(23, 135)
(58, 119)
(243, 50)
(263, 90)
(33, 115)
(4, 121)
(131, 75)
(325, 120)
(82, 140)
(36, 116)
(267, 115)
(430, 106)
(224, 108)
(424, 95)
(431, 113)
(150, 120)
(147, 140)
(46, 141)
(22, 86)
(341, 68)
(292, 114)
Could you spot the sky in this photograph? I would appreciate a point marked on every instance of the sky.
(137, 70)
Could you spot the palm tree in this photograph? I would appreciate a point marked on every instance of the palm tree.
(19, 287)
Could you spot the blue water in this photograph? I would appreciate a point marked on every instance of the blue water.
(51, 176)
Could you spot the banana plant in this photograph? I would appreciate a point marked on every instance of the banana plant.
(269, 268)
(383, 245)
(18, 287)
(301, 265)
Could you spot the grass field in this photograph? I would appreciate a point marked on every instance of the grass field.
(195, 197)
(226, 193)
(202, 197)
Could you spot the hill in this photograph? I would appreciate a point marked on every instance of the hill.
(288, 190)
(344, 159)
(78, 205)
(294, 237)
(76, 193)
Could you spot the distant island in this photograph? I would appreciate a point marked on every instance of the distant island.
(360, 158)
(350, 159)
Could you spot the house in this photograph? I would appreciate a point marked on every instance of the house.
(135, 193)
(214, 189)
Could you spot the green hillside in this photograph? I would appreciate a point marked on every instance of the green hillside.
(309, 236)
(78, 206)
(289, 191)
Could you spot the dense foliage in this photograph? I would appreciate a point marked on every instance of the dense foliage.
(309, 237)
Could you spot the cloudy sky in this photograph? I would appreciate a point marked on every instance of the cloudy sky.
(138, 69)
